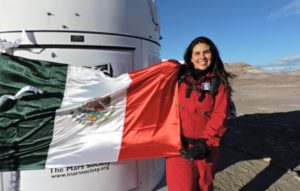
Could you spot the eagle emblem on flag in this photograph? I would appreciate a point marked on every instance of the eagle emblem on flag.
(94, 112)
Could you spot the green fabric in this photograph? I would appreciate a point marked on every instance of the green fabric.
(26, 125)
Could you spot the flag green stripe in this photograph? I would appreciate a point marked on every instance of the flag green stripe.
(26, 125)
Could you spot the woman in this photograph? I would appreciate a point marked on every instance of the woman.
(204, 92)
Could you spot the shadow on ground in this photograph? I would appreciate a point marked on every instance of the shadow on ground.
(274, 136)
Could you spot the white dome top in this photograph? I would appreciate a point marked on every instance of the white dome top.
(137, 18)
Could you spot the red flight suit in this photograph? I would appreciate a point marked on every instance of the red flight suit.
(205, 119)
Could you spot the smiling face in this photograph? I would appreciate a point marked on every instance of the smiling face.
(201, 56)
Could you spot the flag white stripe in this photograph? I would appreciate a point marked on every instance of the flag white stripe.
(76, 141)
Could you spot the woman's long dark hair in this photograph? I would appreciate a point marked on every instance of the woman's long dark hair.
(217, 66)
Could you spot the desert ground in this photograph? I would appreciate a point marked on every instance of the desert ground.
(261, 148)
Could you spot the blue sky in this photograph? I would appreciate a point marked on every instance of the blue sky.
(258, 32)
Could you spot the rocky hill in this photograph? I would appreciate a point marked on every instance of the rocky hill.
(242, 68)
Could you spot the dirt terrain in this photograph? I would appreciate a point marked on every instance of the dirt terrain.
(261, 149)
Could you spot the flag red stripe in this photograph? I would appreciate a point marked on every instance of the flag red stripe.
(151, 126)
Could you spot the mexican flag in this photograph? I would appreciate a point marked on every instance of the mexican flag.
(58, 115)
